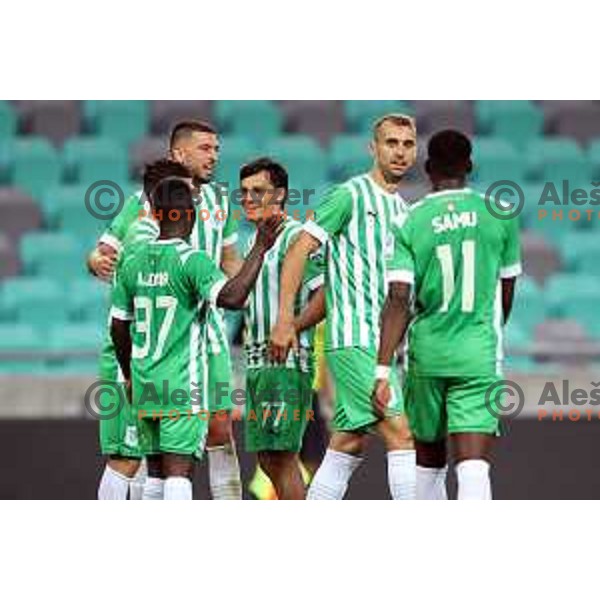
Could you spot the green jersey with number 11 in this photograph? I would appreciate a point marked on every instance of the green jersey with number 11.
(165, 288)
(455, 253)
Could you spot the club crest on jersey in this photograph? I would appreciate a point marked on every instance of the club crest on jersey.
(451, 221)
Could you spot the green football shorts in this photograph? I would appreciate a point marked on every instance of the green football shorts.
(220, 379)
(119, 434)
(177, 431)
(439, 406)
(278, 408)
(353, 375)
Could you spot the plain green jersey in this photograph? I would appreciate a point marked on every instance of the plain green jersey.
(455, 253)
(353, 221)
(263, 303)
(164, 287)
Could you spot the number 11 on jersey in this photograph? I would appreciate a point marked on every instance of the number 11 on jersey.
(444, 255)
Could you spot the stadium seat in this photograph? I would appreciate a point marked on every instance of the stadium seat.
(21, 346)
(496, 159)
(576, 246)
(540, 258)
(321, 119)
(74, 337)
(165, 113)
(557, 159)
(56, 120)
(88, 299)
(518, 121)
(8, 120)
(34, 300)
(235, 151)
(123, 120)
(361, 114)
(146, 151)
(564, 290)
(36, 165)
(302, 157)
(20, 213)
(530, 307)
(435, 115)
(90, 159)
(74, 217)
(257, 119)
(593, 155)
(10, 264)
(348, 156)
(578, 120)
(53, 255)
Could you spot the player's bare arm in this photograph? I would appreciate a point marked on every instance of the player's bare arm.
(231, 261)
(508, 294)
(121, 337)
(234, 293)
(102, 261)
(283, 335)
(394, 322)
(313, 313)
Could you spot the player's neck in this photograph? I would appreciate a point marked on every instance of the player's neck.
(391, 187)
(449, 184)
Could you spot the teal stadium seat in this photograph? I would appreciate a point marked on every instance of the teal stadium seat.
(124, 121)
(579, 246)
(8, 120)
(517, 121)
(36, 165)
(302, 157)
(530, 307)
(80, 343)
(564, 288)
(88, 300)
(349, 156)
(21, 339)
(556, 159)
(37, 301)
(91, 159)
(593, 154)
(257, 119)
(55, 255)
(496, 159)
(361, 115)
(235, 151)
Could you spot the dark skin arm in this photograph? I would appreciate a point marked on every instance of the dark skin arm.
(394, 322)
(121, 337)
(234, 293)
(508, 294)
(313, 313)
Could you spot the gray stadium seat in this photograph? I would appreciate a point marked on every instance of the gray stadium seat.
(56, 120)
(145, 151)
(540, 259)
(20, 213)
(9, 257)
(164, 113)
(321, 119)
(434, 115)
(579, 121)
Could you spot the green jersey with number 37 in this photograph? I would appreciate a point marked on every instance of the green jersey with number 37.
(165, 288)
(455, 254)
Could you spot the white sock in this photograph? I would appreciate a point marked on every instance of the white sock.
(332, 477)
(474, 480)
(224, 473)
(136, 487)
(154, 489)
(178, 488)
(431, 483)
(402, 474)
(113, 485)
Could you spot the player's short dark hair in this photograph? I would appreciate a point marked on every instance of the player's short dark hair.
(160, 172)
(449, 153)
(278, 175)
(185, 128)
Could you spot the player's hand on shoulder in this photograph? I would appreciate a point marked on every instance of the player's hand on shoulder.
(381, 396)
(102, 262)
(268, 231)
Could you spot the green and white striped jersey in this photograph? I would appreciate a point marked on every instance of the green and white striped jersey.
(354, 221)
(263, 303)
(215, 228)
(163, 287)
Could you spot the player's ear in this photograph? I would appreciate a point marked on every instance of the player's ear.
(372, 148)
